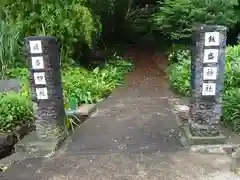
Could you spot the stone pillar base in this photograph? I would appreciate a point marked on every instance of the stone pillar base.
(43, 142)
(235, 161)
(187, 139)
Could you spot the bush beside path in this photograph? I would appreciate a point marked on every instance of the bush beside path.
(178, 74)
(82, 85)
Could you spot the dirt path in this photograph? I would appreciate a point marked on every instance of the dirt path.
(149, 69)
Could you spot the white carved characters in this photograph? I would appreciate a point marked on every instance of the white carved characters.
(37, 64)
(210, 72)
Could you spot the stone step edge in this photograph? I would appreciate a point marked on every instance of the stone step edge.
(226, 149)
(14, 158)
(83, 110)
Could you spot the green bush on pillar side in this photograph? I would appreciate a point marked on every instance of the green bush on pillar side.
(70, 21)
(178, 74)
(15, 110)
(179, 69)
(231, 103)
(231, 108)
(9, 51)
(84, 85)
(175, 18)
(92, 86)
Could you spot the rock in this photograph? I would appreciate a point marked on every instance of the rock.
(215, 149)
(7, 142)
(235, 161)
(182, 111)
(9, 85)
(82, 112)
(23, 130)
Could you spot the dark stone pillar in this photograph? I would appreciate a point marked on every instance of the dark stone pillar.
(46, 87)
(207, 78)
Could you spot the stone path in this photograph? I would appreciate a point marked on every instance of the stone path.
(133, 136)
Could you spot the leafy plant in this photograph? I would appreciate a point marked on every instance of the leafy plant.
(231, 108)
(179, 77)
(9, 47)
(73, 121)
(70, 21)
(178, 53)
(232, 67)
(176, 18)
(178, 73)
(78, 83)
(14, 110)
(92, 86)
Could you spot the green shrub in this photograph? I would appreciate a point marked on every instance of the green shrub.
(70, 21)
(178, 72)
(175, 18)
(84, 85)
(92, 86)
(78, 83)
(179, 77)
(19, 73)
(231, 108)
(9, 47)
(232, 67)
(14, 110)
(178, 52)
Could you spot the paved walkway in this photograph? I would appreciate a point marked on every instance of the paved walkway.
(133, 136)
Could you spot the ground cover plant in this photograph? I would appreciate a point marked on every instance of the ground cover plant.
(85, 86)
(178, 74)
(76, 24)
(15, 111)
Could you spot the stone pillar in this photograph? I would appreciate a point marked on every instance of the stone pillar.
(43, 56)
(207, 78)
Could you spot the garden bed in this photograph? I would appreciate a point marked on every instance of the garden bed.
(16, 120)
(84, 87)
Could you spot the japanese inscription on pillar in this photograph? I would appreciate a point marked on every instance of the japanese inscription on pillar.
(207, 72)
(211, 58)
(45, 81)
(37, 63)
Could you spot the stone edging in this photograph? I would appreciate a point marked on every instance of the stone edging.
(32, 146)
(232, 150)
(8, 141)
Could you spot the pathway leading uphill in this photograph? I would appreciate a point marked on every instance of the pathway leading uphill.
(133, 136)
